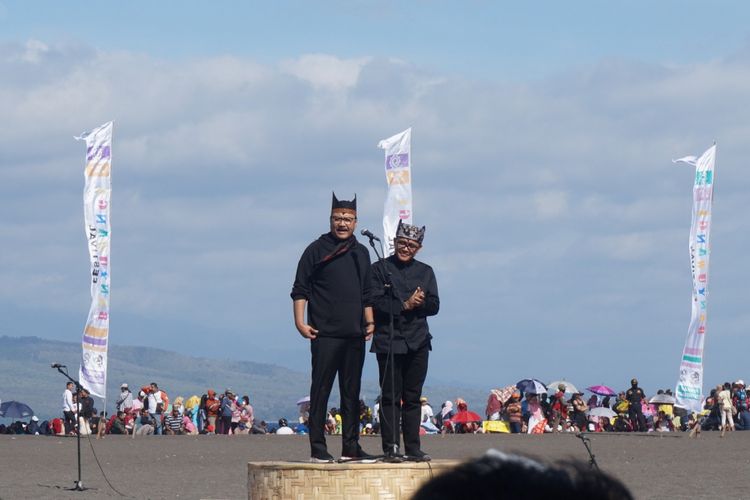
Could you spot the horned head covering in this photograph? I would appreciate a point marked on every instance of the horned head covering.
(410, 232)
(337, 204)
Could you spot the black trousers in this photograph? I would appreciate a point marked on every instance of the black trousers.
(332, 356)
(636, 417)
(409, 371)
(69, 421)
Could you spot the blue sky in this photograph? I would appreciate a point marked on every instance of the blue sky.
(542, 144)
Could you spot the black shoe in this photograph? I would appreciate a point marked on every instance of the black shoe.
(417, 456)
(393, 457)
(360, 456)
(322, 458)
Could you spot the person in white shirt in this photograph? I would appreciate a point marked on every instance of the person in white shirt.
(426, 410)
(284, 428)
(155, 407)
(69, 409)
(125, 402)
(427, 418)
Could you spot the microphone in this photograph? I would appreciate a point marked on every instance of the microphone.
(367, 233)
(58, 365)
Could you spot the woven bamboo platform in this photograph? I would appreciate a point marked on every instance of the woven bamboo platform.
(379, 481)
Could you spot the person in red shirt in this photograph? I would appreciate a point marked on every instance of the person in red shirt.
(558, 408)
(213, 405)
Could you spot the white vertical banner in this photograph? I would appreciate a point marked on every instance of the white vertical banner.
(96, 199)
(398, 176)
(689, 390)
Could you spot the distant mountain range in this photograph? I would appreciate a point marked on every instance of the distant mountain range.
(25, 375)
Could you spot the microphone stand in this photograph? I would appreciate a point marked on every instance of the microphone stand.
(388, 286)
(587, 443)
(78, 484)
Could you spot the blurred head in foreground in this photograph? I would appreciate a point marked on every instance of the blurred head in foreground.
(500, 475)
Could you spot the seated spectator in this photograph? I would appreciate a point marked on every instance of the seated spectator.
(145, 424)
(284, 428)
(116, 424)
(536, 422)
(494, 405)
(446, 412)
(188, 426)
(173, 423)
(45, 429)
(427, 418)
(463, 426)
(365, 414)
(100, 427)
(330, 427)
(261, 428)
(57, 427)
(33, 427)
(663, 423)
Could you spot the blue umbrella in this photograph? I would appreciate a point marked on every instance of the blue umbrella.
(531, 386)
(15, 409)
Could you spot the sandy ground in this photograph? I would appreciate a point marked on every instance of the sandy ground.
(214, 467)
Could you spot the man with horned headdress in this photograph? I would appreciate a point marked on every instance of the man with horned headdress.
(333, 282)
(414, 298)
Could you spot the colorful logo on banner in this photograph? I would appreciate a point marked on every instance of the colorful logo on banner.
(96, 208)
(398, 201)
(689, 390)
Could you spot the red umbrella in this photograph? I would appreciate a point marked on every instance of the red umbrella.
(465, 417)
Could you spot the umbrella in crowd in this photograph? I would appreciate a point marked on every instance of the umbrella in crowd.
(15, 409)
(505, 393)
(662, 399)
(531, 386)
(465, 417)
(602, 390)
(600, 411)
(569, 388)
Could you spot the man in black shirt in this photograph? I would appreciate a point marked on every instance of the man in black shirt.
(414, 298)
(635, 412)
(333, 283)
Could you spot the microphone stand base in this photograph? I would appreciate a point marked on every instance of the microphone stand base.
(78, 486)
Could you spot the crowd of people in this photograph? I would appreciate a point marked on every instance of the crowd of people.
(150, 411)
(556, 409)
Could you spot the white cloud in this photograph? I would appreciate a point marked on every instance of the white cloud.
(550, 204)
(325, 71)
(540, 198)
(35, 51)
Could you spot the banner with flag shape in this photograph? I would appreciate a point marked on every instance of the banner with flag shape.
(96, 210)
(689, 390)
(398, 201)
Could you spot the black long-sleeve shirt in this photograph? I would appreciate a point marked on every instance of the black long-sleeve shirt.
(337, 291)
(410, 329)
